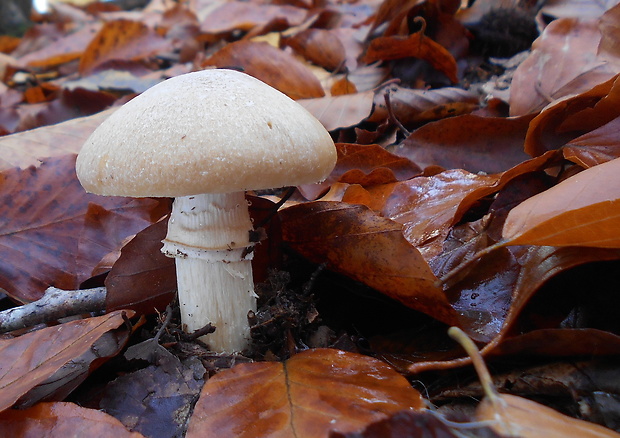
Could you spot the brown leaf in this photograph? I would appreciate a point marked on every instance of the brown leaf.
(28, 148)
(272, 66)
(510, 415)
(63, 50)
(417, 45)
(60, 420)
(312, 393)
(343, 111)
(568, 48)
(473, 143)
(121, 40)
(573, 116)
(247, 15)
(582, 210)
(30, 359)
(369, 248)
(142, 279)
(319, 46)
(370, 165)
(595, 147)
(55, 233)
(408, 104)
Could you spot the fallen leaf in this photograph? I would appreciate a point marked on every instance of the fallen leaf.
(320, 46)
(469, 142)
(311, 394)
(595, 147)
(583, 210)
(28, 360)
(359, 243)
(246, 15)
(60, 420)
(416, 45)
(343, 111)
(29, 148)
(121, 39)
(568, 46)
(52, 228)
(272, 66)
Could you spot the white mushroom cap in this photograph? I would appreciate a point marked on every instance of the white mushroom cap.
(211, 131)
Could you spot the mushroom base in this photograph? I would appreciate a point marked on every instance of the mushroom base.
(209, 237)
(218, 293)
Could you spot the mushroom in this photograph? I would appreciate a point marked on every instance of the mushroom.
(205, 138)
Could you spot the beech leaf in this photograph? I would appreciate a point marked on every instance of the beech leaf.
(61, 420)
(583, 210)
(30, 359)
(309, 395)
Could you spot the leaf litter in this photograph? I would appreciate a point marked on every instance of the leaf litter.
(446, 208)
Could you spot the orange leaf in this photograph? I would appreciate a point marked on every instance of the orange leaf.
(583, 210)
(60, 420)
(121, 40)
(595, 147)
(417, 45)
(309, 395)
(30, 359)
(272, 66)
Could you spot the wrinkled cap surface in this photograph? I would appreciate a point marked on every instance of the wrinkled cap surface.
(212, 131)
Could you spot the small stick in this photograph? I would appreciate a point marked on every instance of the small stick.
(53, 305)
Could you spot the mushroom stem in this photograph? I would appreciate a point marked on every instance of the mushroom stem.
(208, 235)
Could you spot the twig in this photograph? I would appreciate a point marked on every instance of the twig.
(53, 305)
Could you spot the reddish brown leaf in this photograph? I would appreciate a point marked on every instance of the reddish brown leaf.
(124, 40)
(370, 165)
(568, 47)
(582, 210)
(63, 50)
(336, 112)
(272, 66)
(473, 143)
(54, 233)
(247, 15)
(26, 149)
(568, 118)
(408, 104)
(369, 248)
(142, 279)
(319, 46)
(312, 393)
(416, 45)
(30, 359)
(60, 420)
(595, 147)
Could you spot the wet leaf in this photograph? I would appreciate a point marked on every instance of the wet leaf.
(308, 395)
(30, 359)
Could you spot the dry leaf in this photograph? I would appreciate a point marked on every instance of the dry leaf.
(309, 395)
(61, 420)
(583, 210)
(30, 359)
